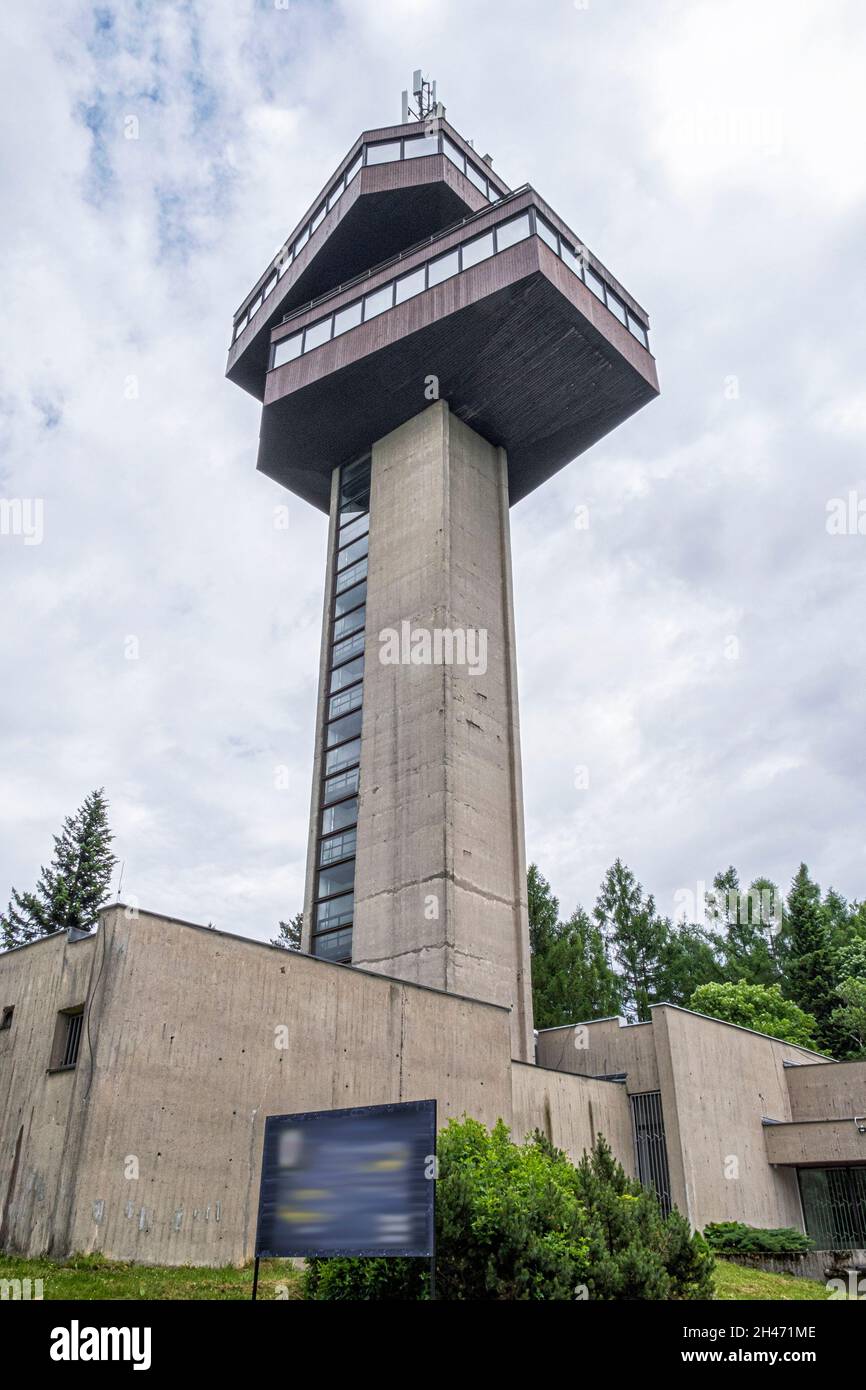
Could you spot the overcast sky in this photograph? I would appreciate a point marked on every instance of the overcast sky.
(698, 650)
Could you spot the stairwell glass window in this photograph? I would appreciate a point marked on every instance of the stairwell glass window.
(346, 755)
(337, 817)
(343, 784)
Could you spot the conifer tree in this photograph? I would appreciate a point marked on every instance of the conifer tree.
(809, 978)
(71, 890)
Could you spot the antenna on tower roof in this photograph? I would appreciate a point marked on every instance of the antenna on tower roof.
(426, 105)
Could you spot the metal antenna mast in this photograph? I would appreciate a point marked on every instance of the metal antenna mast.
(426, 105)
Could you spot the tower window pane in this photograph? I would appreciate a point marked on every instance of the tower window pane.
(343, 729)
(546, 233)
(477, 250)
(344, 701)
(452, 152)
(510, 232)
(594, 283)
(349, 647)
(443, 268)
(336, 817)
(351, 598)
(617, 308)
(287, 349)
(420, 145)
(335, 946)
(351, 575)
(638, 330)
(337, 878)
(335, 913)
(317, 334)
(356, 551)
(347, 318)
(377, 302)
(338, 759)
(348, 674)
(384, 152)
(473, 176)
(343, 784)
(410, 285)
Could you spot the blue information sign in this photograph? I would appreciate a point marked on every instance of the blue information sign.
(349, 1182)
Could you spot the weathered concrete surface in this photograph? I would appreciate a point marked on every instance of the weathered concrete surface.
(717, 1083)
(39, 1110)
(572, 1111)
(602, 1048)
(826, 1091)
(185, 1025)
(440, 882)
(822, 1142)
(149, 1149)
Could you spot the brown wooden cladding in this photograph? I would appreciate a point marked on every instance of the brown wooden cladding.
(522, 351)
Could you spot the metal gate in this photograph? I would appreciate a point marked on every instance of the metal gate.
(650, 1146)
(834, 1205)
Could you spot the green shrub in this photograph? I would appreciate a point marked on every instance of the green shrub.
(522, 1222)
(732, 1237)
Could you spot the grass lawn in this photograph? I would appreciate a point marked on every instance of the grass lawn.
(92, 1277)
(736, 1281)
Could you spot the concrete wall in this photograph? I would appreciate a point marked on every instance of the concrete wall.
(826, 1091)
(185, 1068)
(603, 1048)
(39, 1108)
(440, 883)
(823, 1143)
(149, 1149)
(572, 1111)
(717, 1082)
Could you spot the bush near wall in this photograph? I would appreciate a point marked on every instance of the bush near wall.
(732, 1237)
(520, 1221)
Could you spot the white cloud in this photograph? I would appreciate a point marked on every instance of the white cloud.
(123, 260)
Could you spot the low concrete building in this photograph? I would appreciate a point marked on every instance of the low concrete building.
(137, 1066)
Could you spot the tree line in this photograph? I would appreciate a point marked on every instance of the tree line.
(793, 966)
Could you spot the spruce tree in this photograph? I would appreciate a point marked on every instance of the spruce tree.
(71, 890)
(572, 980)
(543, 910)
(289, 937)
(809, 978)
(635, 935)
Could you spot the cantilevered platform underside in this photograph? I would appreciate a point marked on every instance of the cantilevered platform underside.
(518, 345)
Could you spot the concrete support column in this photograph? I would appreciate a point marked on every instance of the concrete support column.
(440, 876)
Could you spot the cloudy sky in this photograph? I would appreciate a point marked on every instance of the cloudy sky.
(698, 650)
